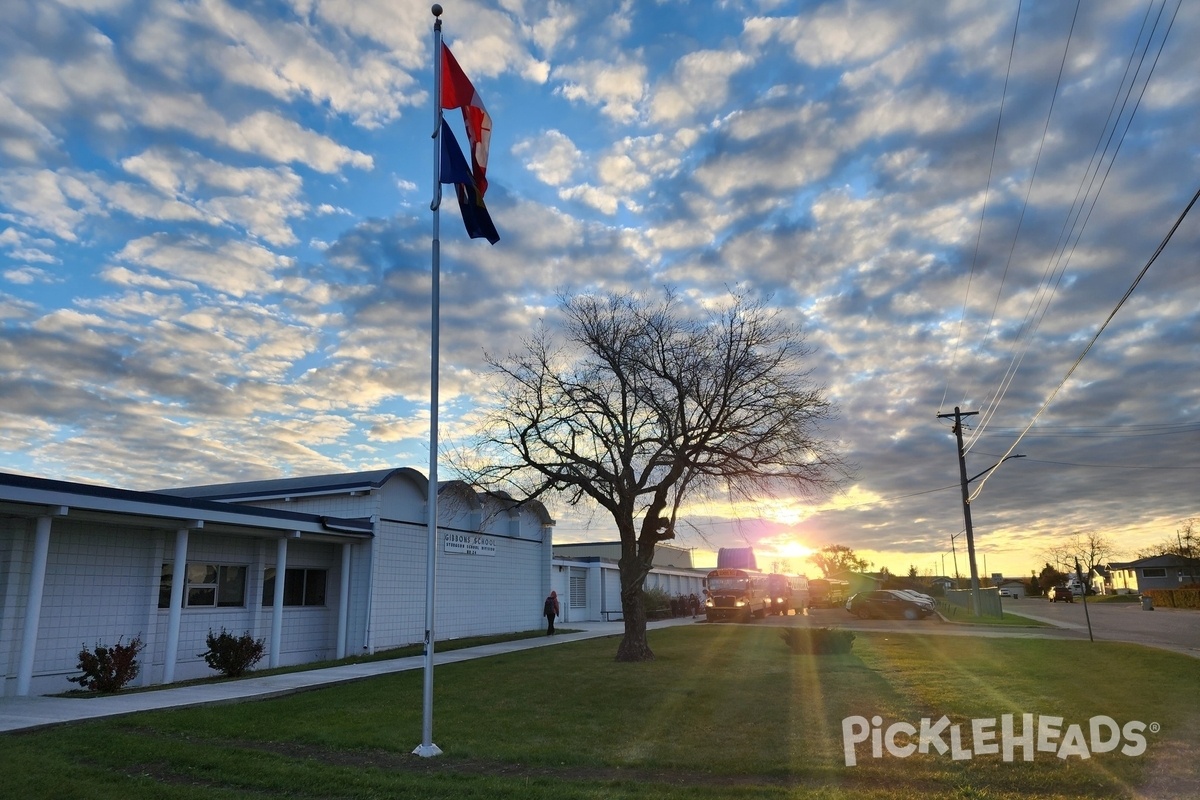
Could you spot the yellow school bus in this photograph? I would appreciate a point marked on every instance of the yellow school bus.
(735, 594)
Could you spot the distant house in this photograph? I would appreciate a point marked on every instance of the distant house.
(1156, 572)
(1014, 586)
(942, 582)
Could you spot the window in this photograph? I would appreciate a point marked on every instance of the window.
(1154, 572)
(206, 585)
(301, 587)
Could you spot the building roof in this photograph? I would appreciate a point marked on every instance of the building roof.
(665, 555)
(339, 483)
(27, 496)
(1169, 560)
(344, 483)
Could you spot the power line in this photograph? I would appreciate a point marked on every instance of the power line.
(1110, 466)
(983, 211)
(1062, 64)
(1056, 266)
(1162, 245)
(1103, 432)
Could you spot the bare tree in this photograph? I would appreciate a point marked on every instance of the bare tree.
(646, 405)
(1089, 550)
(1185, 542)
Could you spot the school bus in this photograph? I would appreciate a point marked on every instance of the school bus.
(787, 592)
(827, 592)
(735, 594)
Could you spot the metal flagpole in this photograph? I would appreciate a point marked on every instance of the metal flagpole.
(427, 748)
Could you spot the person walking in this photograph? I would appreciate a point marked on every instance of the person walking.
(550, 609)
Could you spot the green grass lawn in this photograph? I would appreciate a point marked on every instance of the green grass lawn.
(961, 615)
(725, 711)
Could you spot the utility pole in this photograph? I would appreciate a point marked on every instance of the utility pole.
(966, 502)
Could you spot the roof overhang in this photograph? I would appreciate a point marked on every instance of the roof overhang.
(22, 496)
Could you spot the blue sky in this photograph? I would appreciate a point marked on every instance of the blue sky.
(215, 239)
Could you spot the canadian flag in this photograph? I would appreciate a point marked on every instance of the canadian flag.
(457, 92)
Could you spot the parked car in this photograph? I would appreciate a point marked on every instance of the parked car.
(886, 603)
(923, 599)
(1060, 593)
(1008, 594)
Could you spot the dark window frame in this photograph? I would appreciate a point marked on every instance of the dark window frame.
(206, 585)
(303, 587)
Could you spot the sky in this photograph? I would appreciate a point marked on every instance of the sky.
(215, 242)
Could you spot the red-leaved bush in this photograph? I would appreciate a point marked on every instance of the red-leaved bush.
(109, 669)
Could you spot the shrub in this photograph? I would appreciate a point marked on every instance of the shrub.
(656, 602)
(232, 655)
(1187, 597)
(817, 641)
(109, 669)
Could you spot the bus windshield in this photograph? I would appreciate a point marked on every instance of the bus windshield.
(727, 584)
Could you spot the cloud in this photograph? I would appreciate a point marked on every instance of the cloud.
(22, 137)
(234, 188)
(238, 268)
(49, 201)
(556, 26)
(259, 199)
(28, 250)
(28, 275)
(699, 83)
(835, 34)
(552, 157)
(287, 60)
(283, 140)
(616, 87)
(95, 79)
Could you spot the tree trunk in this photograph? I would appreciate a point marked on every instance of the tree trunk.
(633, 645)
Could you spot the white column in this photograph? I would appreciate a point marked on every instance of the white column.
(277, 606)
(33, 607)
(344, 601)
(178, 579)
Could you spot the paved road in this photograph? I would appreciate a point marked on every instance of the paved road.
(1175, 629)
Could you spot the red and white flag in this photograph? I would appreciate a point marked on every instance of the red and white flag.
(457, 92)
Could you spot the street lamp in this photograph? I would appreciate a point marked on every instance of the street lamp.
(993, 466)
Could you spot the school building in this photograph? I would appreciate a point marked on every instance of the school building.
(318, 567)
(588, 580)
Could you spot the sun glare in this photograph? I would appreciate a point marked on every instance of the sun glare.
(782, 547)
(793, 549)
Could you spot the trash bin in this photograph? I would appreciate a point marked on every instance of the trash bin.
(1147, 603)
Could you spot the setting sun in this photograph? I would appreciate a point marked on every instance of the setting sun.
(783, 546)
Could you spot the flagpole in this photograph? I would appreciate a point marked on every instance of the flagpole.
(427, 748)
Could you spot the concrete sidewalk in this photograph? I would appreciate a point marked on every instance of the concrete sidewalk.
(22, 713)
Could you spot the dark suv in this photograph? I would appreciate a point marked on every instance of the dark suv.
(884, 603)
(1060, 593)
